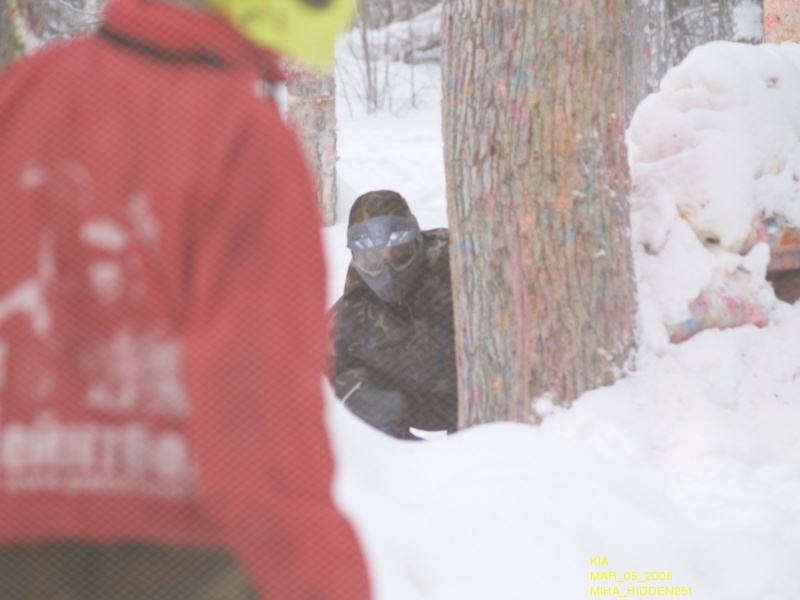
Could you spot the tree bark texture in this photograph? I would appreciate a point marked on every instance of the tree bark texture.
(312, 113)
(16, 33)
(6, 48)
(781, 21)
(534, 107)
(28, 25)
(638, 44)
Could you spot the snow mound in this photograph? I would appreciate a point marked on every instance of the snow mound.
(713, 153)
(719, 144)
(512, 511)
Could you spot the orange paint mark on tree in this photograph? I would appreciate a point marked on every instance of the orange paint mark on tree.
(497, 385)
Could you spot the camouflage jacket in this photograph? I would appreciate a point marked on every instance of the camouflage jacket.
(408, 347)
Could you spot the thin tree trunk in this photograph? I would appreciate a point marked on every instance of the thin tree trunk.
(781, 21)
(16, 34)
(28, 25)
(312, 113)
(534, 107)
(636, 39)
(6, 48)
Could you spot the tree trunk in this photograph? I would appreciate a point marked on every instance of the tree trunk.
(16, 33)
(6, 48)
(781, 21)
(28, 25)
(312, 113)
(640, 45)
(535, 96)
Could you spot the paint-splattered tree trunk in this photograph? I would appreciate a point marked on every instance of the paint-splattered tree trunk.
(28, 25)
(17, 35)
(535, 94)
(6, 40)
(781, 21)
(312, 113)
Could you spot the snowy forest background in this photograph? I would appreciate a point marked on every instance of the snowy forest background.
(409, 30)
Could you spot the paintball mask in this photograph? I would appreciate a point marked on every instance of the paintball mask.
(387, 253)
(304, 30)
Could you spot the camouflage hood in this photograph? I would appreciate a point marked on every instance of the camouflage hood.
(377, 204)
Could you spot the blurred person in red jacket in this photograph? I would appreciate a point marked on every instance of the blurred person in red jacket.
(162, 328)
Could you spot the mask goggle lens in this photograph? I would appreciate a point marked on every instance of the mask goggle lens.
(398, 257)
(385, 239)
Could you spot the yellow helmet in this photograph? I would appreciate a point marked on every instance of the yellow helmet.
(304, 30)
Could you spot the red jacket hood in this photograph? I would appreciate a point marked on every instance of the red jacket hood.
(156, 26)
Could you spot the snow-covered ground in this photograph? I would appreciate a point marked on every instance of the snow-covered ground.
(682, 479)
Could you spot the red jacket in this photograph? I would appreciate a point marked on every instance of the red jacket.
(162, 334)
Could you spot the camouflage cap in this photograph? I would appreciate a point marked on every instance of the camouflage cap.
(378, 203)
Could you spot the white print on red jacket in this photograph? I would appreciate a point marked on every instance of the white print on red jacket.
(135, 444)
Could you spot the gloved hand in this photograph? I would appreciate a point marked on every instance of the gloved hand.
(386, 410)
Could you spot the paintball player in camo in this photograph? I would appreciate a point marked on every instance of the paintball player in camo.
(394, 342)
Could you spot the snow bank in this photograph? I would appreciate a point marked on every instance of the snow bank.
(515, 512)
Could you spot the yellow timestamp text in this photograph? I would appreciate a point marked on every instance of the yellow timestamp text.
(632, 584)
(627, 576)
